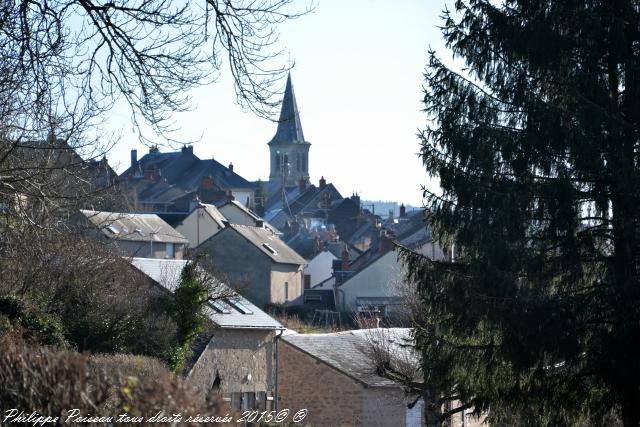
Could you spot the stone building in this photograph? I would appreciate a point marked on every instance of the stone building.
(137, 235)
(257, 263)
(330, 375)
(236, 356)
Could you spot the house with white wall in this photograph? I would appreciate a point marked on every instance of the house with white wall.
(202, 222)
(320, 266)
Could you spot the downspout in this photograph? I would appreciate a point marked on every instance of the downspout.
(276, 395)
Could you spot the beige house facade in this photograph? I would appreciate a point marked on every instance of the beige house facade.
(257, 263)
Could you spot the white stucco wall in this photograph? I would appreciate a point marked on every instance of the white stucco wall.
(235, 215)
(242, 196)
(198, 226)
(377, 280)
(319, 268)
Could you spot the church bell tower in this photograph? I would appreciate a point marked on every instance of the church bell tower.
(288, 149)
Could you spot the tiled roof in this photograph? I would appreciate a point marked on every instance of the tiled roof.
(134, 227)
(268, 243)
(230, 311)
(344, 351)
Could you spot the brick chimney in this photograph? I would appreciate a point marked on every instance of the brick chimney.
(344, 255)
(295, 226)
(302, 184)
(386, 241)
(134, 157)
(231, 167)
(323, 182)
(206, 183)
(187, 149)
(403, 211)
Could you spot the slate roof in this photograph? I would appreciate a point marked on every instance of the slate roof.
(289, 126)
(412, 229)
(344, 351)
(224, 312)
(185, 170)
(134, 227)
(268, 243)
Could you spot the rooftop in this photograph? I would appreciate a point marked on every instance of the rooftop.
(268, 243)
(134, 227)
(345, 351)
(228, 310)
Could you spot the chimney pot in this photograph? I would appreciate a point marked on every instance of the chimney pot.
(134, 157)
(323, 182)
(403, 211)
(231, 167)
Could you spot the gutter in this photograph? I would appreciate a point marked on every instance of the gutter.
(276, 395)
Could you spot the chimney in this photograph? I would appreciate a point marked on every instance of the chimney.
(323, 182)
(345, 258)
(231, 167)
(386, 241)
(307, 281)
(206, 183)
(295, 226)
(230, 196)
(403, 211)
(356, 198)
(134, 157)
(302, 184)
(187, 149)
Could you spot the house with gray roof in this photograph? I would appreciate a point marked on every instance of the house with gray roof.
(236, 355)
(346, 388)
(137, 235)
(257, 263)
(170, 182)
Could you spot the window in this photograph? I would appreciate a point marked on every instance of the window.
(235, 303)
(286, 291)
(220, 307)
(269, 248)
(170, 251)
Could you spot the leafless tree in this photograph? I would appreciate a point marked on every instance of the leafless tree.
(67, 63)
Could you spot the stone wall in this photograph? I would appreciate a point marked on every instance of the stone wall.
(245, 266)
(231, 355)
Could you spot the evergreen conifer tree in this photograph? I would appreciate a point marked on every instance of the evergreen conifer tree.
(536, 146)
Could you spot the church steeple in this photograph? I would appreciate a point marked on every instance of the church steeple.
(289, 150)
(289, 126)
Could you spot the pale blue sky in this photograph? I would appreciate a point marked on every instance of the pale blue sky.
(358, 82)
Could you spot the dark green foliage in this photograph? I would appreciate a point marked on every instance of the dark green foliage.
(186, 308)
(38, 325)
(536, 147)
(65, 287)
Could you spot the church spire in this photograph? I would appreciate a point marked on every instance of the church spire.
(289, 126)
